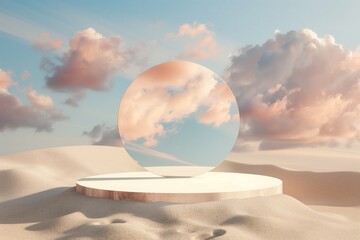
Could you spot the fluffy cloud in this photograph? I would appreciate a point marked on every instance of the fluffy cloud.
(89, 64)
(296, 90)
(104, 135)
(48, 43)
(201, 42)
(13, 114)
(169, 93)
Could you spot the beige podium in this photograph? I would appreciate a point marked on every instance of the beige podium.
(148, 187)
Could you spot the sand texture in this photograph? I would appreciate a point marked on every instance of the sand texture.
(38, 201)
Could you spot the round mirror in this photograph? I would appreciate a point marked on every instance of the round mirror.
(178, 119)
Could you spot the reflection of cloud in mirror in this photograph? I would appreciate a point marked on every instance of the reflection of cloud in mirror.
(171, 92)
(178, 119)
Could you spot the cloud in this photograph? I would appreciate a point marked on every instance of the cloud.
(150, 141)
(219, 106)
(40, 101)
(5, 80)
(14, 114)
(201, 42)
(47, 43)
(169, 93)
(104, 135)
(95, 132)
(193, 30)
(90, 63)
(297, 89)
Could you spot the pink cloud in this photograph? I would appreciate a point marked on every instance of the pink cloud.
(5, 80)
(41, 101)
(296, 90)
(90, 62)
(150, 141)
(14, 114)
(201, 42)
(192, 30)
(47, 43)
(169, 93)
(219, 106)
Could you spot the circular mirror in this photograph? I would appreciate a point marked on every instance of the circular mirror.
(178, 119)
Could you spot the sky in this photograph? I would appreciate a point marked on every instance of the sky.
(294, 67)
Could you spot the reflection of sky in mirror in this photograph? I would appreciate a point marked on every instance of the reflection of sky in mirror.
(178, 114)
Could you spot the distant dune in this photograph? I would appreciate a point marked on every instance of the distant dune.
(315, 188)
(37, 201)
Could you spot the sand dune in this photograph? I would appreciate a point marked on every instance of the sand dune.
(37, 201)
(68, 215)
(303, 159)
(315, 188)
(34, 171)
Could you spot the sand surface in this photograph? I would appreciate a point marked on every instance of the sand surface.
(37, 201)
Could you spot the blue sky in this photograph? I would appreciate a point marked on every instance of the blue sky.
(144, 26)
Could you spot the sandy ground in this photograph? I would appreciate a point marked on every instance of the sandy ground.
(37, 201)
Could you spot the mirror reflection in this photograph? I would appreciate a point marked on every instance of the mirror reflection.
(178, 119)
